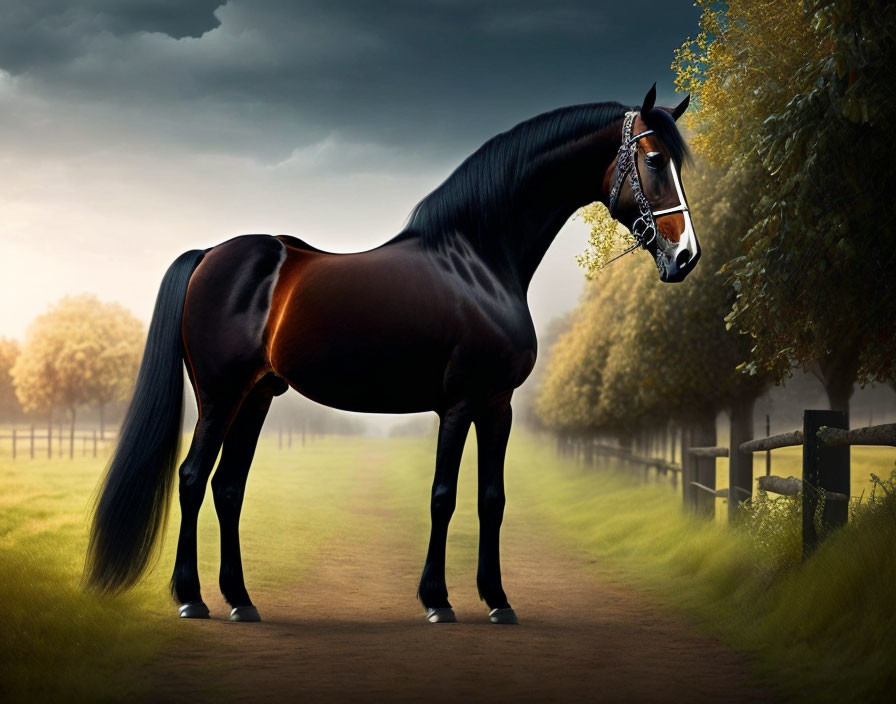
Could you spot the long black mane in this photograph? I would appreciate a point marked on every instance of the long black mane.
(477, 196)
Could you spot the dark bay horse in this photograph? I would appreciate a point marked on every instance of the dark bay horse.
(436, 319)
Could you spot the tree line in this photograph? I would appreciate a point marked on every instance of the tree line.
(792, 102)
(81, 353)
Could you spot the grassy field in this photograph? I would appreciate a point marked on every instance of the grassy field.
(806, 625)
(59, 642)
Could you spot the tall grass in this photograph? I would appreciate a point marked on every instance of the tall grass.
(823, 631)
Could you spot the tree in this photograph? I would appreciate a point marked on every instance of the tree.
(799, 94)
(9, 404)
(80, 352)
(569, 393)
(121, 338)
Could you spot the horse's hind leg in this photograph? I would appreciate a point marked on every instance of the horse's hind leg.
(228, 488)
(227, 304)
(211, 428)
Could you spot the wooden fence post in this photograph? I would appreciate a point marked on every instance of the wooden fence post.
(740, 464)
(704, 468)
(689, 497)
(825, 468)
(706, 475)
(94, 443)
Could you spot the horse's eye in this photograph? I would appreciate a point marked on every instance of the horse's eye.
(655, 161)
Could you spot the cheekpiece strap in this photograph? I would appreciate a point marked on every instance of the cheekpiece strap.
(644, 228)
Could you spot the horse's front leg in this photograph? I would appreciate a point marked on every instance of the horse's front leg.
(492, 432)
(433, 592)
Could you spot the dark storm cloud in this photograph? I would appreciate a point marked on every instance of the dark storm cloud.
(269, 76)
(36, 33)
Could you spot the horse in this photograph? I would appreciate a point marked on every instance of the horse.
(436, 319)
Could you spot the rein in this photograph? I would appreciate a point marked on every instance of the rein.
(626, 166)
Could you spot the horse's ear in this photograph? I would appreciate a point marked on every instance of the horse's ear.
(649, 100)
(682, 106)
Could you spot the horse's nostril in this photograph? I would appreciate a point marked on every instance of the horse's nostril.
(682, 258)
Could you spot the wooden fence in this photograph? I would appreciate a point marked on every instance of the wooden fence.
(825, 476)
(649, 459)
(34, 442)
(825, 440)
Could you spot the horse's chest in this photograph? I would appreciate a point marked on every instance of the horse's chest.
(497, 348)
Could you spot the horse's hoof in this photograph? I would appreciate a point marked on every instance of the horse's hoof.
(194, 609)
(245, 614)
(503, 616)
(445, 615)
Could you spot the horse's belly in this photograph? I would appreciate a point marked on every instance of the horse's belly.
(357, 378)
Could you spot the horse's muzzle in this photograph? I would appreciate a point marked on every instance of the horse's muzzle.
(675, 265)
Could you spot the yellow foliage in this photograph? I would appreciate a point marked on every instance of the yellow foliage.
(9, 351)
(745, 51)
(81, 351)
(605, 239)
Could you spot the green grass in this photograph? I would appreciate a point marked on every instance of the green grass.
(823, 631)
(59, 642)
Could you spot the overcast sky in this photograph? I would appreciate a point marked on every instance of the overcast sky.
(131, 131)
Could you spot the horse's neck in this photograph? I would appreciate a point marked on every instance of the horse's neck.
(560, 184)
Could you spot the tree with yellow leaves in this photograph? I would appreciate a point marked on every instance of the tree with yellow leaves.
(9, 404)
(799, 94)
(80, 352)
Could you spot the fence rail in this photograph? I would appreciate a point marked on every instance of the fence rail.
(872, 435)
(587, 450)
(826, 469)
(30, 441)
(825, 482)
(709, 451)
(774, 442)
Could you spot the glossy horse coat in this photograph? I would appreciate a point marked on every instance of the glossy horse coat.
(435, 319)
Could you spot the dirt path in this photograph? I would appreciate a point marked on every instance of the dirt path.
(353, 631)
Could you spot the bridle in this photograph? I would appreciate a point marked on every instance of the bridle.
(644, 228)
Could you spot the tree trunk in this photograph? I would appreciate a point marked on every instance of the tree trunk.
(837, 372)
(50, 435)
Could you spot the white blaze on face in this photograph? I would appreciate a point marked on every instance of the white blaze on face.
(687, 241)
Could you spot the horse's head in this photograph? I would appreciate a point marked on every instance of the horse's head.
(645, 188)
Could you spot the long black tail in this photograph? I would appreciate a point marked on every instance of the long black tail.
(133, 505)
